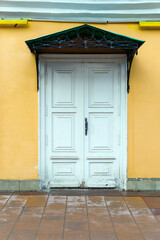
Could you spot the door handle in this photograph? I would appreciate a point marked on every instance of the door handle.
(86, 126)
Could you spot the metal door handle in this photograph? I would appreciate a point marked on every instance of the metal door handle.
(86, 126)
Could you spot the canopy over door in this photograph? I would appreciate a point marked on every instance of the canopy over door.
(85, 39)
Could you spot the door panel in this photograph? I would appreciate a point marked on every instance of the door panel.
(63, 88)
(64, 132)
(102, 97)
(75, 92)
(64, 125)
(100, 89)
(100, 137)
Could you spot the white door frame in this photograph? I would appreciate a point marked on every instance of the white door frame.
(121, 59)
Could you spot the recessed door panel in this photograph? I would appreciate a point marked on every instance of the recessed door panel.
(64, 132)
(63, 88)
(101, 88)
(100, 132)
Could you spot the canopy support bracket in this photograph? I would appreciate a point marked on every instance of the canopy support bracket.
(36, 58)
(130, 56)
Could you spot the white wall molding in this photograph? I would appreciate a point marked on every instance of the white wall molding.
(82, 11)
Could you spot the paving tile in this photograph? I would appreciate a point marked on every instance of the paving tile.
(98, 212)
(76, 201)
(36, 201)
(103, 235)
(76, 231)
(136, 202)
(76, 224)
(17, 201)
(78, 235)
(56, 205)
(11, 238)
(152, 235)
(155, 211)
(143, 216)
(3, 200)
(95, 201)
(27, 224)
(52, 223)
(148, 226)
(49, 216)
(115, 203)
(139, 209)
(114, 199)
(120, 216)
(100, 224)
(126, 228)
(56, 199)
(76, 214)
(50, 230)
(152, 202)
(5, 229)
(130, 236)
(51, 227)
(158, 218)
(57, 208)
(10, 214)
(123, 221)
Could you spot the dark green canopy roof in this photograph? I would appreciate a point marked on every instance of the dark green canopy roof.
(84, 37)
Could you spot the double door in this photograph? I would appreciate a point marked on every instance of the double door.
(82, 124)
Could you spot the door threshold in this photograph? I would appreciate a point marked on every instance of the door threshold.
(84, 192)
(80, 188)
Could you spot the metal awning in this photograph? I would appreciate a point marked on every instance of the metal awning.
(86, 39)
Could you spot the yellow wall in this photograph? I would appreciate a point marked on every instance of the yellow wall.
(19, 101)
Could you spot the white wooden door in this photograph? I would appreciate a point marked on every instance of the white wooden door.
(82, 124)
(102, 101)
(64, 125)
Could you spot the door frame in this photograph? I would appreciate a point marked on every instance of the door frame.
(121, 59)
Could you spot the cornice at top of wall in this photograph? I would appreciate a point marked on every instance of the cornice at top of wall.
(82, 10)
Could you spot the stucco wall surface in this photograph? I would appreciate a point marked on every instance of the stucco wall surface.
(19, 101)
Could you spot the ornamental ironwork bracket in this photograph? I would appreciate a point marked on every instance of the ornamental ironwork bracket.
(37, 69)
(130, 56)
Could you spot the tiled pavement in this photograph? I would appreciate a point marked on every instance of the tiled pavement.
(76, 214)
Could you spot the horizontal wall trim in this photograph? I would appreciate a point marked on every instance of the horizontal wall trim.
(20, 185)
(82, 11)
(141, 179)
(133, 184)
(143, 184)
